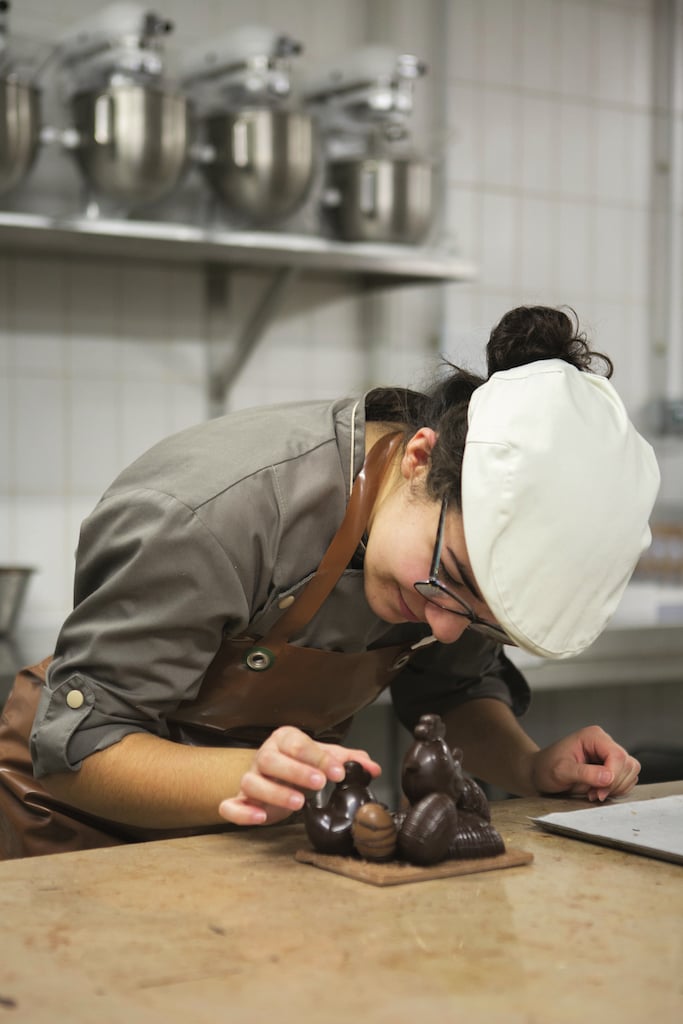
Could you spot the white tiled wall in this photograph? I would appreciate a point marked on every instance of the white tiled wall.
(98, 363)
(546, 163)
(548, 179)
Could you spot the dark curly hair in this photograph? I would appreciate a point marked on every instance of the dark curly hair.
(526, 334)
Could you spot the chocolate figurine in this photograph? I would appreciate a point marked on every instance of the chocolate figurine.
(448, 814)
(429, 766)
(329, 826)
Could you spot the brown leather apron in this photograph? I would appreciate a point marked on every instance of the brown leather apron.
(249, 689)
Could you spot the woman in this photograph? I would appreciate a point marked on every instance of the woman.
(247, 585)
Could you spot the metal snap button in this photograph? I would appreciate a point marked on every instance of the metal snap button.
(75, 699)
(259, 659)
(400, 661)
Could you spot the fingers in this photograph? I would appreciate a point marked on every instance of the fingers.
(294, 757)
(239, 811)
(287, 765)
(340, 755)
(588, 763)
(618, 776)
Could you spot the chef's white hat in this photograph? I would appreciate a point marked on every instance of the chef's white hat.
(557, 490)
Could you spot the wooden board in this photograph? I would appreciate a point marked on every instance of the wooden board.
(398, 872)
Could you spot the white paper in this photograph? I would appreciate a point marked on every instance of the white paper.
(650, 827)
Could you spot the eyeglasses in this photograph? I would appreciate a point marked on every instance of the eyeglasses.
(436, 592)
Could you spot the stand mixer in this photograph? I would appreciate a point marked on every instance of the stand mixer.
(258, 144)
(20, 113)
(378, 189)
(132, 129)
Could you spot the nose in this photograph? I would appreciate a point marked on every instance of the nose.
(446, 627)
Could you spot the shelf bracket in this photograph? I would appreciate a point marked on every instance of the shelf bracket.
(224, 370)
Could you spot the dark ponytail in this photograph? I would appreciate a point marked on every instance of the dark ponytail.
(527, 334)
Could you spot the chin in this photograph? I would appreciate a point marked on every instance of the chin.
(382, 608)
(384, 612)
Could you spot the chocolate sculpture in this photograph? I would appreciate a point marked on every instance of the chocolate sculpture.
(329, 827)
(448, 814)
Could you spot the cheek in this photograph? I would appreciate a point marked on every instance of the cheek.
(398, 553)
(393, 563)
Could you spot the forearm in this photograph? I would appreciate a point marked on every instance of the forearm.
(495, 747)
(151, 782)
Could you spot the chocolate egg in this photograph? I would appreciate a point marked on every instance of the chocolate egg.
(475, 837)
(474, 799)
(427, 830)
(374, 832)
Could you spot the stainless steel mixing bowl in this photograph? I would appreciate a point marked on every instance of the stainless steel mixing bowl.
(19, 131)
(263, 161)
(381, 199)
(133, 141)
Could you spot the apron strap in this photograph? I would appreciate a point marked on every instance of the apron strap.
(343, 545)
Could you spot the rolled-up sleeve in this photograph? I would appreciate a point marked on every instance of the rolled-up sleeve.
(440, 677)
(154, 592)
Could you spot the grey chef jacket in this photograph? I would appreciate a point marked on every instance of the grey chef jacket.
(203, 536)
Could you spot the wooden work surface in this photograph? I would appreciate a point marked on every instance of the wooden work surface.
(230, 927)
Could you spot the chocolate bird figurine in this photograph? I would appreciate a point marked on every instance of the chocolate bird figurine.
(429, 766)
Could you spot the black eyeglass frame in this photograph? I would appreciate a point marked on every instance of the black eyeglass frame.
(432, 588)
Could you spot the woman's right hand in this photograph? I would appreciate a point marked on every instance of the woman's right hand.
(287, 764)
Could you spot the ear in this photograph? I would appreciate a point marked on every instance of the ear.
(417, 455)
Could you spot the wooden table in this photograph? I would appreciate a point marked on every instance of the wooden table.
(230, 927)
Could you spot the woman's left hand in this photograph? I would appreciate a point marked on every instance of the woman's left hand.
(587, 763)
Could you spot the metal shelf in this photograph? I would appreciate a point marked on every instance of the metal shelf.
(181, 243)
(285, 257)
